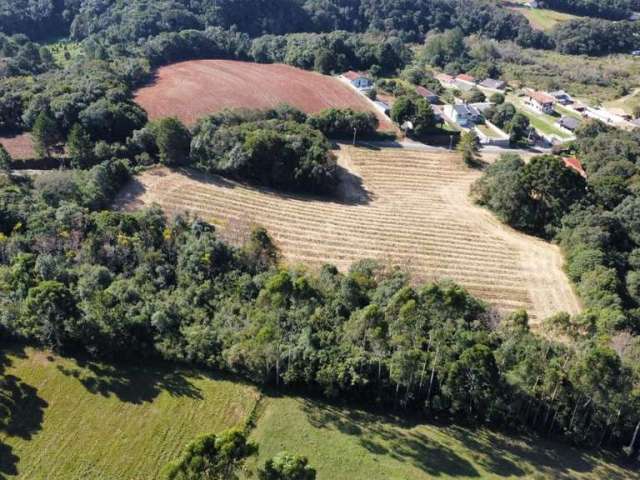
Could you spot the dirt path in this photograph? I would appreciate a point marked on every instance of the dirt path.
(400, 206)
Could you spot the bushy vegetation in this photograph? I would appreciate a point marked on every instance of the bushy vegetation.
(611, 9)
(344, 123)
(126, 286)
(275, 148)
(594, 220)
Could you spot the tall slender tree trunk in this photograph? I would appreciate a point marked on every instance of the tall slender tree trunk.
(632, 445)
(433, 374)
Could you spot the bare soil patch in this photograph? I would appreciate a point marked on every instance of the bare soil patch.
(20, 147)
(400, 206)
(191, 90)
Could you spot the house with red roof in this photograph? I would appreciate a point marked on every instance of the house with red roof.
(540, 102)
(468, 79)
(575, 164)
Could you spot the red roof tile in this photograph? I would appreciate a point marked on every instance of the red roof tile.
(351, 75)
(424, 92)
(575, 164)
(466, 78)
(541, 97)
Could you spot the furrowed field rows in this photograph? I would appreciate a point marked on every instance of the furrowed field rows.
(408, 208)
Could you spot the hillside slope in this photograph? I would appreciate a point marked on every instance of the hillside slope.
(399, 206)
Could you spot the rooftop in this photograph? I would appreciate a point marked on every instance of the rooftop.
(425, 92)
(352, 75)
(492, 83)
(574, 164)
(541, 97)
(463, 77)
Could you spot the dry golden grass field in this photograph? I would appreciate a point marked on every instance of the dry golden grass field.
(400, 206)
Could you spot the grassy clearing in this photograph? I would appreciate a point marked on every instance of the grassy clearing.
(89, 421)
(64, 52)
(544, 19)
(93, 422)
(627, 103)
(565, 112)
(354, 445)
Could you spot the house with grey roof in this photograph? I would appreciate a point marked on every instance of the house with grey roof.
(492, 84)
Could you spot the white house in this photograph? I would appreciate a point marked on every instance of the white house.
(540, 102)
(562, 97)
(464, 114)
(358, 79)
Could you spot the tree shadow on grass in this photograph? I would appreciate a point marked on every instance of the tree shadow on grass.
(21, 412)
(561, 461)
(133, 384)
(392, 437)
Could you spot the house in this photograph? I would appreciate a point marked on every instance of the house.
(636, 122)
(540, 102)
(467, 79)
(428, 95)
(562, 97)
(575, 164)
(569, 123)
(445, 80)
(464, 115)
(495, 85)
(533, 4)
(359, 80)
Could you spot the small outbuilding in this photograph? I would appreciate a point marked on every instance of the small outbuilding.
(569, 123)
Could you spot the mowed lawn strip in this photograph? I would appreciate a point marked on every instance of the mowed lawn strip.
(103, 423)
(351, 444)
(194, 89)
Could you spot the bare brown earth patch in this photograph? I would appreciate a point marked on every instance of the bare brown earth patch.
(20, 146)
(194, 89)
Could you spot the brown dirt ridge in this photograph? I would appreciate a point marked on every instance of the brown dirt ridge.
(400, 206)
(194, 89)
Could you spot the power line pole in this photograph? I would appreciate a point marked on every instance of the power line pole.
(355, 131)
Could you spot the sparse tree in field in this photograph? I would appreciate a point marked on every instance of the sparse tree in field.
(173, 140)
(469, 146)
(211, 457)
(286, 466)
(45, 134)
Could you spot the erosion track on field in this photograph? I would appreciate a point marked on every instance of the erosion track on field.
(194, 89)
(400, 206)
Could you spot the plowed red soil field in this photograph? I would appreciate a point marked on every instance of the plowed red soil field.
(20, 146)
(194, 89)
